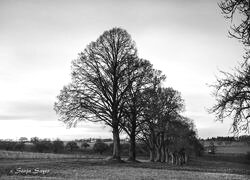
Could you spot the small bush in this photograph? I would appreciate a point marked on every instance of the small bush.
(19, 146)
(85, 145)
(72, 146)
(43, 146)
(58, 146)
(100, 147)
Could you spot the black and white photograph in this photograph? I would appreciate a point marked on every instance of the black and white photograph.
(125, 89)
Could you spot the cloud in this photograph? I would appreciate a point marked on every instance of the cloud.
(187, 40)
(34, 110)
(13, 117)
(54, 129)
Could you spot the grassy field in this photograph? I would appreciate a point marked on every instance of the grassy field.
(232, 149)
(90, 167)
(227, 147)
(33, 155)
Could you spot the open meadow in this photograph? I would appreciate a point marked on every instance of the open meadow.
(53, 166)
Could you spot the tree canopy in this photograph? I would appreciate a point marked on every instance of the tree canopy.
(112, 85)
(233, 98)
(102, 78)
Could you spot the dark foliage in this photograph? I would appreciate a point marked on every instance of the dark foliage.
(72, 146)
(43, 146)
(19, 146)
(100, 147)
(58, 146)
(84, 145)
(248, 156)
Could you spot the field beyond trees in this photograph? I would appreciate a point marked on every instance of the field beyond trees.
(67, 166)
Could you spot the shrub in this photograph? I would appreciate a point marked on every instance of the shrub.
(100, 147)
(19, 146)
(43, 146)
(8, 145)
(84, 145)
(58, 146)
(71, 146)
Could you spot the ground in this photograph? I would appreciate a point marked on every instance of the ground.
(96, 167)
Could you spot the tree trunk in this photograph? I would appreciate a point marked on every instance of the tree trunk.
(151, 155)
(172, 158)
(132, 152)
(186, 158)
(116, 142)
(163, 149)
(151, 145)
(158, 154)
(167, 156)
(158, 147)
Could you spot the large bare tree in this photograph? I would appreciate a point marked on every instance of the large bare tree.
(238, 12)
(232, 94)
(102, 78)
(232, 90)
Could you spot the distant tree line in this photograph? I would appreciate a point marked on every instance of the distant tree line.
(112, 85)
(57, 146)
(11, 145)
(39, 145)
(34, 145)
(243, 138)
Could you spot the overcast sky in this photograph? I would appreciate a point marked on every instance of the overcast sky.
(187, 40)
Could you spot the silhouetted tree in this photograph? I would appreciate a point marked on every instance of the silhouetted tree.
(85, 145)
(232, 95)
(133, 109)
(161, 105)
(101, 79)
(19, 146)
(232, 90)
(238, 12)
(34, 140)
(71, 146)
(42, 145)
(58, 146)
(23, 139)
(169, 106)
(181, 139)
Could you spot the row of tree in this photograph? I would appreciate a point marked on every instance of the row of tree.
(112, 85)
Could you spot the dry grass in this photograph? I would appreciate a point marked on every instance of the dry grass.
(87, 167)
(122, 173)
(33, 155)
(232, 149)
